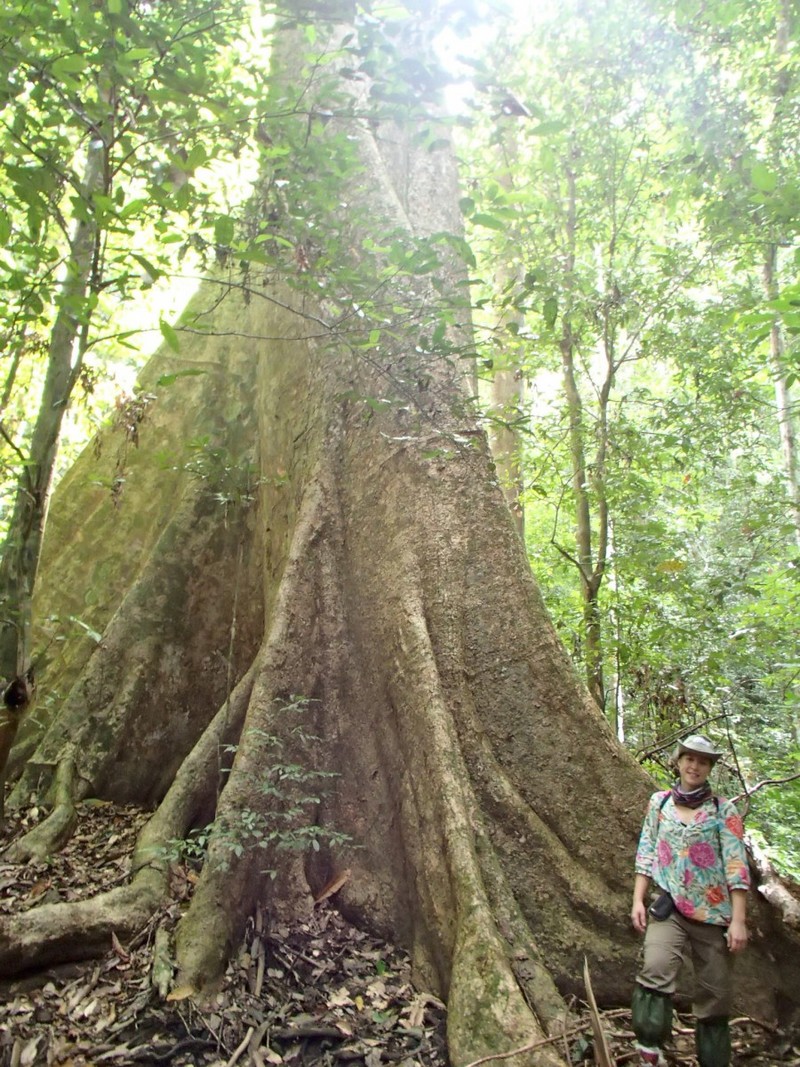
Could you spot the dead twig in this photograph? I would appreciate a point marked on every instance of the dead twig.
(540, 1043)
(602, 1053)
(762, 785)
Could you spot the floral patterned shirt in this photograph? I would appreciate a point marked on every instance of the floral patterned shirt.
(698, 863)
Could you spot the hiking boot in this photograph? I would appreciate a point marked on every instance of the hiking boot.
(713, 1040)
(652, 1057)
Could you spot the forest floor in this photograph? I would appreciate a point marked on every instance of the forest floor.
(317, 993)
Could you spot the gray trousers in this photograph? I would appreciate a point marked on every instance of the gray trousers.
(665, 945)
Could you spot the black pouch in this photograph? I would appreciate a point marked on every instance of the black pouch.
(662, 907)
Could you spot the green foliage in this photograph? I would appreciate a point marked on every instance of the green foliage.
(630, 212)
(112, 118)
(231, 481)
(290, 793)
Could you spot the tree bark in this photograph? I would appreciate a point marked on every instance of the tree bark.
(491, 813)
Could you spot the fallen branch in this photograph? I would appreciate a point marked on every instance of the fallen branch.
(240, 1048)
(540, 1043)
(161, 973)
(772, 887)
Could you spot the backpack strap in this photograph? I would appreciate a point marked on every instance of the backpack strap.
(668, 794)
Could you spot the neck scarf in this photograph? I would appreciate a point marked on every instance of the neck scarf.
(692, 799)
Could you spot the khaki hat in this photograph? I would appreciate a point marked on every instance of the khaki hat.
(698, 744)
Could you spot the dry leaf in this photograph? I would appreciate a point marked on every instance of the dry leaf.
(181, 992)
(416, 1014)
(340, 998)
(333, 886)
(120, 951)
(28, 1054)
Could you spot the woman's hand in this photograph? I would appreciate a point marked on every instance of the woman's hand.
(639, 916)
(737, 935)
(638, 908)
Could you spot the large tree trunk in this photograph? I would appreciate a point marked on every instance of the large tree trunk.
(491, 813)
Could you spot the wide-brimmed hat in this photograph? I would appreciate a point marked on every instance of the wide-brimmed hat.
(698, 744)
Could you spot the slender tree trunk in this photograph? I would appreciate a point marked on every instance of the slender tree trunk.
(21, 552)
(508, 403)
(590, 577)
(770, 275)
(783, 401)
(508, 379)
(590, 583)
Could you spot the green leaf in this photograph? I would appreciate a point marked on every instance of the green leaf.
(763, 178)
(95, 636)
(481, 219)
(550, 310)
(170, 379)
(545, 128)
(170, 335)
(151, 270)
(224, 229)
(197, 157)
(132, 207)
(72, 64)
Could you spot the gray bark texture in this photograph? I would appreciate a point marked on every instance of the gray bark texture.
(372, 567)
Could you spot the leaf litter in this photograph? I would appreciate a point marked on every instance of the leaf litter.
(316, 992)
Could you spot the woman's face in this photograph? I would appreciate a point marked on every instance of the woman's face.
(693, 769)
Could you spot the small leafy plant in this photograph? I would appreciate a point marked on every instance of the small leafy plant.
(291, 792)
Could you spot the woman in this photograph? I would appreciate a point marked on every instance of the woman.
(692, 849)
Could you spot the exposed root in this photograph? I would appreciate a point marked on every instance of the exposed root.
(56, 933)
(487, 1007)
(208, 932)
(52, 833)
